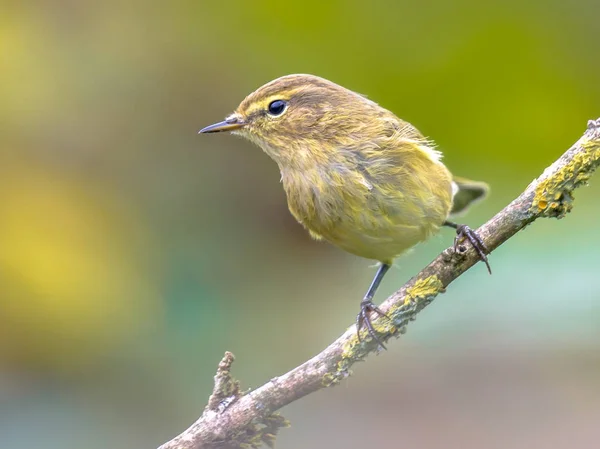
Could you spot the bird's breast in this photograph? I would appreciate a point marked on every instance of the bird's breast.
(372, 211)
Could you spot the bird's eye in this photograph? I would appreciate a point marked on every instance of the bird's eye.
(277, 107)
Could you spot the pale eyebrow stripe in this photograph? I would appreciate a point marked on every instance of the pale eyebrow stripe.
(262, 105)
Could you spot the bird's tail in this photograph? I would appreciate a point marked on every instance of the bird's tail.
(466, 193)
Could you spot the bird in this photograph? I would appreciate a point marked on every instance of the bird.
(354, 173)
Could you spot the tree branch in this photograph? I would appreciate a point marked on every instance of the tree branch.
(236, 420)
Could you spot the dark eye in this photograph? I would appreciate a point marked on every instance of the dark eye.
(277, 107)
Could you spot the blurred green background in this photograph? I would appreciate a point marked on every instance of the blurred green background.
(134, 252)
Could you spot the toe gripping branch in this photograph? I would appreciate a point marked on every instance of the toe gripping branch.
(463, 232)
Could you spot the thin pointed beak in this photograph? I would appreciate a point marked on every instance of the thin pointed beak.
(229, 124)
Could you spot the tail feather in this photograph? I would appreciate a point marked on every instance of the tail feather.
(467, 193)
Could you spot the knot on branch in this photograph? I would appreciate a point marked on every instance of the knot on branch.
(226, 390)
(262, 430)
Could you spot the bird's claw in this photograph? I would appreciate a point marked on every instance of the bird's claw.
(363, 318)
(464, 232)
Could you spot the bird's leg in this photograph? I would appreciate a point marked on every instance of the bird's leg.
(464, 232)
(367, 306)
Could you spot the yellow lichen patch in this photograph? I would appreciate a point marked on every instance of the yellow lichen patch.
(553, 196)
(354, 348)
(424, 289)
(352, 352)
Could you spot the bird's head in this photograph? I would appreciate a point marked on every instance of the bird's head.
(304, 115)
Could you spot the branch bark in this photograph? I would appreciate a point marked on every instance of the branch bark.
(233, 419)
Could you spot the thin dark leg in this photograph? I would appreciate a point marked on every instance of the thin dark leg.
(367, 306)
(465, 232)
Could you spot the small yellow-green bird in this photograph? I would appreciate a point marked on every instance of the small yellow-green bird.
(354, 173)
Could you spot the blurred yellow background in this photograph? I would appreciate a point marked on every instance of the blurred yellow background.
(134, 252)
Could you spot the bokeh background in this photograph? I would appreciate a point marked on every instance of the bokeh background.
(134, 252)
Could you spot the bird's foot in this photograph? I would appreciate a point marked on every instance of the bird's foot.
(463, 232)
(364, 319)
